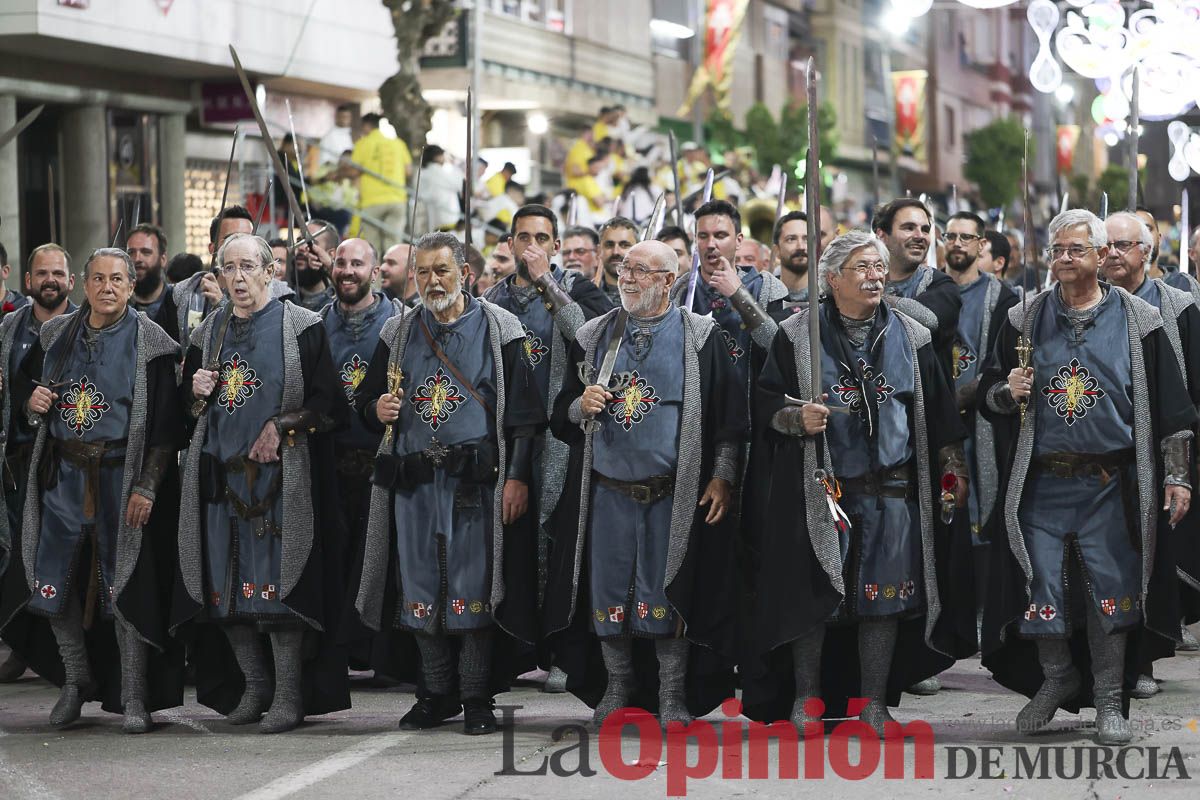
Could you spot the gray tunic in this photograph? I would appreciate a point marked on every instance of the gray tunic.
(352, 341)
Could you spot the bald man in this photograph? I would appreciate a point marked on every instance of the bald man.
(654, 456)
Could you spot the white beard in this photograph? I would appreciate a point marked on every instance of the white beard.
(645, 303)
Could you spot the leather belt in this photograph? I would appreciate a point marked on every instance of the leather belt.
(1085, 465)
(644, 491)
(87, 456)
(354, 462)
(214, 487)
(474, 463)
(896, 482)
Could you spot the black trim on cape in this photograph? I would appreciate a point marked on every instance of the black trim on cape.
(319, 592)
(705, 591)
(791, 591)
(1013, 662)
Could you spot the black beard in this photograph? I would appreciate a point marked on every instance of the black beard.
(148, 284)
(967, 261)
(792, 265)
(308, 278)
(350, 298)
(49, 304)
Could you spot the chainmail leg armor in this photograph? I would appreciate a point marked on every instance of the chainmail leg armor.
(286, 709)
(1108, 669)
(134, 654)
(68, 632)
(248, 650)
(475, 665)
(1060, 684)
(672, 676)
(806, 664)
(618, 661)
(876, 645)
(436, 666)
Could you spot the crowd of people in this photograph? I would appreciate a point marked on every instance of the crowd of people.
(597, 449)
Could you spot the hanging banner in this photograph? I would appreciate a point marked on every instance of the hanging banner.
(723, 28)
(1065, 140)
(908, 89)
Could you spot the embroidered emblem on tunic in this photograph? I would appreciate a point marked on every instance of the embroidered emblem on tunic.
(82, 405)
(871, 590)
(963, 358)
(1126, 604)
(634, 403)
(535, 348)
(1109, 606)
(1031, 612)
(616, 613)
(436, 399)
(419, 610)
(268, 592)
(458, 606)
(248, 590)
(731, 343)
(659, 612)
(1048, 612)
(353, 371)
(1072, 392)
(237, 383)
(476, 606)
(49, 592)
(850, 392)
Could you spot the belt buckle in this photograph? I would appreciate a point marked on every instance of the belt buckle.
(436, 452)
(640, 493)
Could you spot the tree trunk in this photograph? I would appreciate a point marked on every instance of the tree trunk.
(414, 23)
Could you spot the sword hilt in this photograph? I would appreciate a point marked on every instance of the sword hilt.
(1024, 350)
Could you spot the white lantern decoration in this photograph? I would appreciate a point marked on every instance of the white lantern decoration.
(1044, 73)
(1178, 133)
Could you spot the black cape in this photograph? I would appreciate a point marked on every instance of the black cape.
(1012, 659)
(791, 591)
(319, 593)
(143, 603)
(705, 591)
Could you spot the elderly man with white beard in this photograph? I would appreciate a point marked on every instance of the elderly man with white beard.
(654, 455)
(449, 541)
(848, 599)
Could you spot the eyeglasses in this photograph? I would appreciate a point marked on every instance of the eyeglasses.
(638, 272)
(1075, 251)
(246, 268)
(866, 270)
(965, 238)
(1123, 246)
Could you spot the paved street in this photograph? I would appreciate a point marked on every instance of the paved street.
(360, 753)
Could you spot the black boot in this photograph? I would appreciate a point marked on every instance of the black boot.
(478, 717)
(474, 674)
(430, 711)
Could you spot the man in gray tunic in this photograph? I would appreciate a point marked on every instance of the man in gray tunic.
(49, 281)
(448, 556)
(655, 457)
(1102, 395)
(106, 441)
(260, 388)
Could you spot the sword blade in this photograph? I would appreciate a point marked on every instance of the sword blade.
(1134, 123)
(412, 216)
(299, 158)
(812, 183)
(781, 203)
(675, 178)
(695, 276)
(469, 185)
(656, 217)
(614, 347)
(23, 123)
(1185, 234)
(50, 192)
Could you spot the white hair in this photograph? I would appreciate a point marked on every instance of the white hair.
(1143, 232)
(835, 256)
(1076, 217)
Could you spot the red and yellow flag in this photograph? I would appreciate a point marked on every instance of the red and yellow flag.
(723, 28)
(908, 88)
(1064, 142)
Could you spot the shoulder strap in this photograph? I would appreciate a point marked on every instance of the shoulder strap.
(441, 356)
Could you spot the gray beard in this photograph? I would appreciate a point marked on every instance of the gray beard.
(646, 303)
(445, 302)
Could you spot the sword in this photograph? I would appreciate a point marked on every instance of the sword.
(268, 142)
(212, 261)
(606, 378)
(781, 203)
(1066, 202)
(1184, 233)
(412, 216)
(812, 182)
(656, 218)
(675, 178)
(1134, 124)
(691, 292)
(573, 210)
(214, 361)
(53, 379)
(1024, 344)
(1104, 205)
(469, 183)
(874, 173)
(953, 198)
(262, 209)
(299, 161)
(23, 123)
(717, 176)
(50, 192)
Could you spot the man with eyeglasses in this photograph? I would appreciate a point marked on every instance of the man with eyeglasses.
(551, 304)
(655, 453)
(737, 299)
(1102, 398)
(451, 391)
(579, 250)
(260, 538)
(1129, 249)
(985, 304)
(906, 227)
(99, 517)
(862, 586)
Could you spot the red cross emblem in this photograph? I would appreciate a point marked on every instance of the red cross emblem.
(963, 358)
(633, 404)
(353, 371)
(616, 613)
(237, 384)
(436, 399)
(535, 348)
(1072, 392)
(458, 606)
(49, 592)
(1048, 612)
(731, 344)
(850, 391)
(81, 406)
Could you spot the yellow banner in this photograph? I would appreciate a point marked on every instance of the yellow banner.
(908, 89)
(723, 29)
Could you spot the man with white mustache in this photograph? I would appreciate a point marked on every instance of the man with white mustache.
(647, 499)
(895, 438)
(451, 390)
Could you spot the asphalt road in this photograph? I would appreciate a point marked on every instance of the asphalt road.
(360, 753)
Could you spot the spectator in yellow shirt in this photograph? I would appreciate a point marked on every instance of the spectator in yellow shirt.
(386, 164)
(497, 184)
